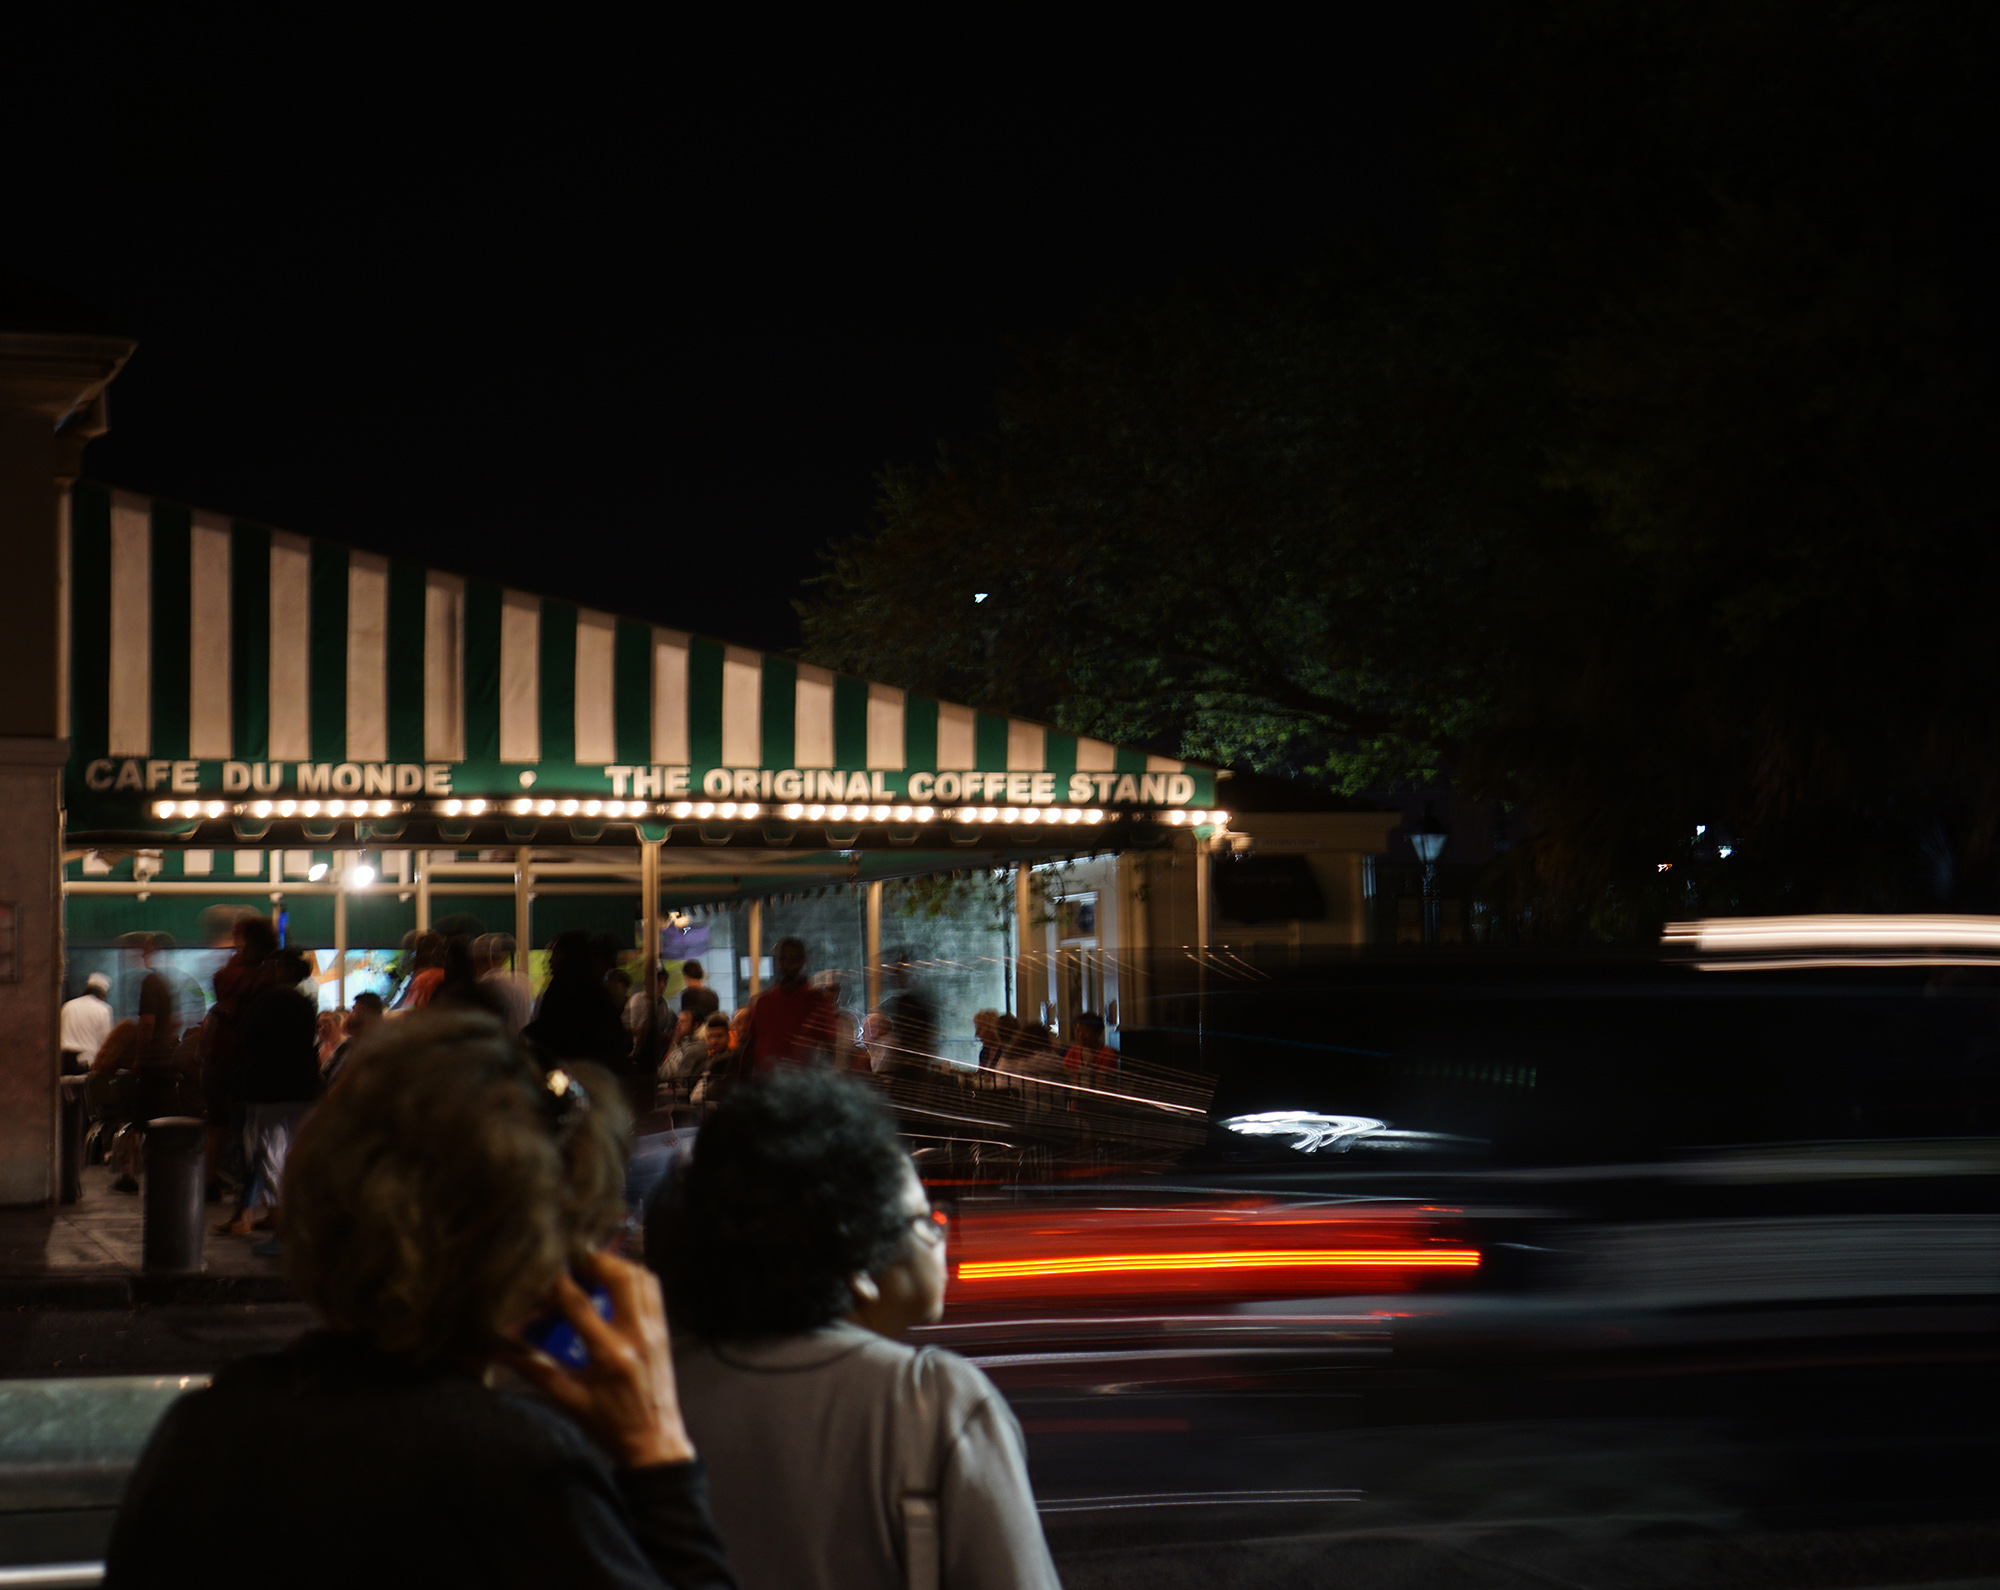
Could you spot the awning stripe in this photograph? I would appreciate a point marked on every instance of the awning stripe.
(171, 638)
(558, 700)
(367, 660)
(444, 668)
(812, 719)
(596, 687)
(670, 697)
(1025, 750)
(291, 630)
(209, 723)
(197, 641)
(742, 701)
(520, 677)
(131, 726)
(250, 640)
(885, 727)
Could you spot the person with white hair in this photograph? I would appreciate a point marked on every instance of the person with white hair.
(86, 1023)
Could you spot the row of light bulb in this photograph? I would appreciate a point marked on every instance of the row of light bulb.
(681, 811)
(334, 808)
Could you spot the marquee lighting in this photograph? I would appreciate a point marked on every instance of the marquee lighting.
(815, 813)
(794, 812)
(902, 814)
(475, 807)
(360, 875)
(1093, 816)
(705, 809)
(545, 808)
(261, 809)
(163, 808)
(752, 809)
(523, 806)
(190, 809)
(214, 808)
(988, 814)
(836, 813)
(727, 809)
(925, 814)
(570, 808)
(383, 808)
(286, 808)
(309, 808)
(452, 808)
(683, 809)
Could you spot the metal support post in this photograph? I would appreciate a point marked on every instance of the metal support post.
(875, 945)
(340, 924)
(524, 867)
(420, 864)
(649, 916)
(1027, 999)
(756, 946)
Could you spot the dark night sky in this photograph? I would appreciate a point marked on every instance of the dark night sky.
(636, 321)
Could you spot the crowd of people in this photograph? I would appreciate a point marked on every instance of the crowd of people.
(740, 1409)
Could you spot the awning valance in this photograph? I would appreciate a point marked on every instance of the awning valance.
(216, 659)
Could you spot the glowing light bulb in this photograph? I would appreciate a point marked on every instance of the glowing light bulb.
(727, 809)
(452, 808)
(475, 807)
(316, 871)
(987, 814)
(925, 814)
(815, 813)
(592, 808)
(286, 808)
(683, 809)
(704, 809)
(309, 809)
(836, 812)
(359, 877)
(545, 809)
(902, 814)
(795, 812)
(163, 808)
(751, 810)
(523, 806)
(383, 808)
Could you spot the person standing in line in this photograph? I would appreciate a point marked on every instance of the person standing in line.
(280, 1080)
(791, 1021)
(698, 996)
(797, 1249)
(493, 961)
(86, 1023)
(1090, 1060)
(427, 956)
(986, 1030)
(222, 1050)
(366, 1014)
(577, 1018)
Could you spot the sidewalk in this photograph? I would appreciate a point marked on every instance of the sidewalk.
(86, 1255)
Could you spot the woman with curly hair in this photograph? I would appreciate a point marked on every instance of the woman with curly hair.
(439, 1201)
(797, 1245)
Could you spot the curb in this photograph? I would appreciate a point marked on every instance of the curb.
(126, 1290)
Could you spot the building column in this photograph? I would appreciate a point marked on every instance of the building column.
(52, 388)
(1027, 986)
(420, 862)
(756, 947)
(342, 861)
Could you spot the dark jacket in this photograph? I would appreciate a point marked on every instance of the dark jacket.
(343, 1467)
(277, 1040)
(578, 1019)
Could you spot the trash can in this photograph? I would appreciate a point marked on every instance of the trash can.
(173, 1210)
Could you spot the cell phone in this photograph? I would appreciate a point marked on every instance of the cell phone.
(553, 1334)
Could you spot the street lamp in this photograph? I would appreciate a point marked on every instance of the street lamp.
(1427, 840)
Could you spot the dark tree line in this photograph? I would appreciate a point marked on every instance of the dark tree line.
(1658, 493)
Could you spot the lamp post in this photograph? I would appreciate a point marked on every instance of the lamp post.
(1427, 840)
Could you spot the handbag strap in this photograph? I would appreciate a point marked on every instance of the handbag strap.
(923, 1539)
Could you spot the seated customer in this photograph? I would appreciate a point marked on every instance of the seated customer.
(436, 1204)
(796, 1245)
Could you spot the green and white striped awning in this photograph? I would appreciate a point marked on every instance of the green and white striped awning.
(215, 658)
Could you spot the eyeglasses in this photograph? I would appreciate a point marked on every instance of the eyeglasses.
(565, 1105)
(935, 1224)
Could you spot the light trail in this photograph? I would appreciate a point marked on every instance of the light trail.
(1226, 1259)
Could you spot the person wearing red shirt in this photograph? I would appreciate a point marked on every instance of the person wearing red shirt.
(789, 1021)
(1089, 1057)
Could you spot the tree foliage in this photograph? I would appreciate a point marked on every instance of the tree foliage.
(1657, 496)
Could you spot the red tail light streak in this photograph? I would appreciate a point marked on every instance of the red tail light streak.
(1244, 1259)
(1011, 1256)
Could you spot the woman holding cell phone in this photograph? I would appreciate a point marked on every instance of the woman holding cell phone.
(441, 1207)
